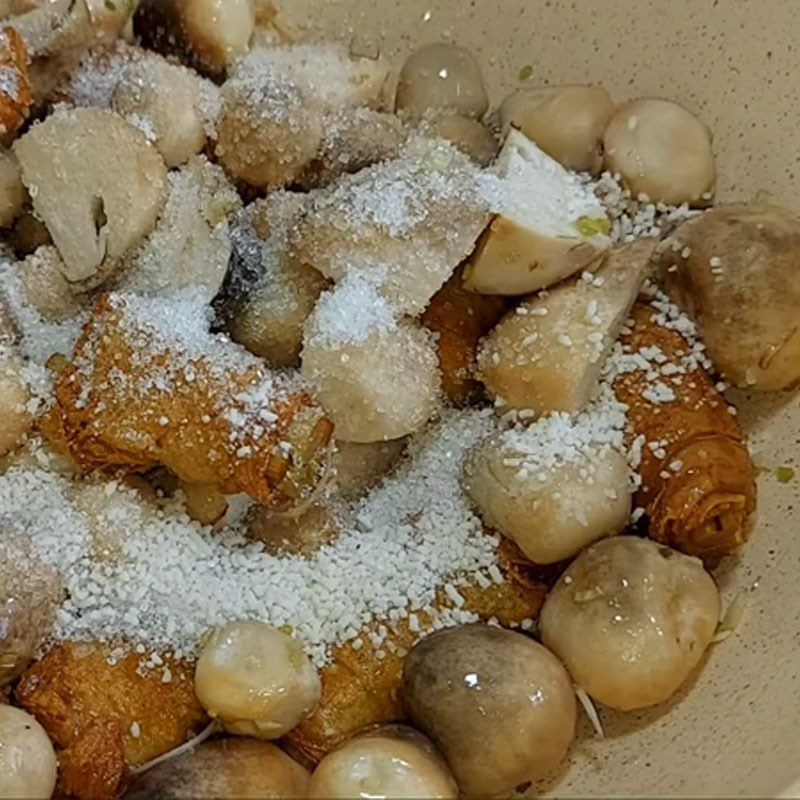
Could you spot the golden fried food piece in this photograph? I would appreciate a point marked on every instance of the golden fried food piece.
(460, 319)
(149, 386)
(362, 686)
(698, 482)
(106, 719)
(16, 94)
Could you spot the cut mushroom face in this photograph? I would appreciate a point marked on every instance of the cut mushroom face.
(377, 378)
(190, 246)
(209, 34)
(735, 270)
(113, 202)
(548, 225)
(547, 354)
(62, 28)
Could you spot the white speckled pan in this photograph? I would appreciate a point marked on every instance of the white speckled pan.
(736, 730)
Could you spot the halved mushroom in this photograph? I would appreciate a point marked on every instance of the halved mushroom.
(191, 245)
(96, 205)
(44, 287)
(208, 34)
(567, 122)
(12, 192)
(61, 27)
(547, 354)
(548, 226)
(13, 8)
(167, 97)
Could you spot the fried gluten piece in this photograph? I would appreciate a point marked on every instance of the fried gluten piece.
(460, 319)
(107, 719)
(698, 482)
(16, 94)
(147, 387)
(361, 686)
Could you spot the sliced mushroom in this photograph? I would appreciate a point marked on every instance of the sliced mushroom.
(208, 34)
(98, 185)
(547, 354)
(12, 192)
(548, 225)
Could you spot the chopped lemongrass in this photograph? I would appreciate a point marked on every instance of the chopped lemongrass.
(784, 474)
(591, 711)
(593, 226)
(731, 618)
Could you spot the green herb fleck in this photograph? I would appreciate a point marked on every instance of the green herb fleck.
(525, 73)
(784, 474)
(593, 226)
(109, 4)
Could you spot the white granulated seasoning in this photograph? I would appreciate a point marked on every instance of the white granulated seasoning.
(635, 217)
(169, 579)
(351, 312)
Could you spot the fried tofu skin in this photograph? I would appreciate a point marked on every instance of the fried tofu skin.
(107, 719)
(460, 319)
(361, 687)
(135, 397)
(698, 482)
(16, 94)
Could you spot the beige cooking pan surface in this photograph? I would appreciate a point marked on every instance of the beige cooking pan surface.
(735, 63)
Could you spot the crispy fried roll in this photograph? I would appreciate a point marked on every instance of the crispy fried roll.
(361, 685)
(106, 718)
(148, 386)
(698, 485)
(460, 319)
